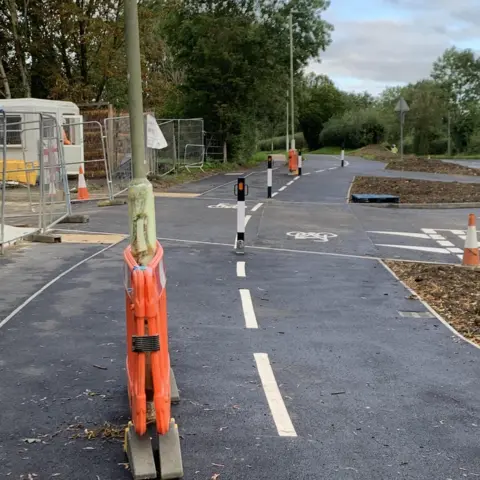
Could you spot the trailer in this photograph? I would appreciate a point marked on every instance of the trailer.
(23, 130)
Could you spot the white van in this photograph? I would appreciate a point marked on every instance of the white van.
(23, 133)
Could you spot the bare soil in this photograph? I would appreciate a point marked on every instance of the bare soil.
(418, 191)
(378, 153)
(431, 166)
(412, 163)
(453, 291)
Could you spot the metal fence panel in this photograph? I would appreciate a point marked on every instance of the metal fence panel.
(164, 161)
(119, 153)
(191, 141)
(189, 137)
(35, 194)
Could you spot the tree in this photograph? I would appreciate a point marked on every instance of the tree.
(458, 74)
(235, 56)
(319, 101)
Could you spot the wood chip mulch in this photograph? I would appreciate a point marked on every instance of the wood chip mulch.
(432, 166)
(452, 291)
(418, 191)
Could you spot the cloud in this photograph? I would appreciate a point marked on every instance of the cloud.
(398, 46)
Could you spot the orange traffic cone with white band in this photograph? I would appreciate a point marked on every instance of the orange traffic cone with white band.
(470, 252)
(82, 193)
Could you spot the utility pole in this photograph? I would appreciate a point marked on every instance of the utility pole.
(141, 202)
(402, 108)
(449, 138)
(291, 81)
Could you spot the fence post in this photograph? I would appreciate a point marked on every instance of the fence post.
(300, 162)
(269, 176)
(240, 192)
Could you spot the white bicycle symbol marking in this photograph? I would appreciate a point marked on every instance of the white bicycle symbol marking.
(223, 205)
(322, 237)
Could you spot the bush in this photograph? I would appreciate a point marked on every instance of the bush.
(438, 146)
(474, 143)
(279, 143)
(354, 130)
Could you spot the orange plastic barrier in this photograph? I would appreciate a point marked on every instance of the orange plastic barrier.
(147, 340)
(292, 160)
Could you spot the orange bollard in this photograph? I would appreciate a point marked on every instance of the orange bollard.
(293, 162)
(470, 252)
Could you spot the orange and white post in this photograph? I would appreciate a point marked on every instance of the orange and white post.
(470, 252)
(82, 193)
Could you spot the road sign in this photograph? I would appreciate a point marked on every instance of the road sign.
(402, 106)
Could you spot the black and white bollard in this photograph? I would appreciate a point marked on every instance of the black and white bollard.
(342, 157)
(240, 192)
(300, 162)
(269, 176)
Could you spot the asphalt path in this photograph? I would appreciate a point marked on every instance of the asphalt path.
(293, 361)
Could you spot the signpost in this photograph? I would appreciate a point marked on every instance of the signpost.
(402, 108)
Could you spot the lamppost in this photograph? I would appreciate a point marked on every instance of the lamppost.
(292, 100)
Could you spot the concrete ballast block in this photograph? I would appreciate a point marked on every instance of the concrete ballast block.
(171, 465)
(140, 455)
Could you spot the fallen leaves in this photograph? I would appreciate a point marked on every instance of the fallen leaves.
(453, 291)
(418, 191)
(432, 166)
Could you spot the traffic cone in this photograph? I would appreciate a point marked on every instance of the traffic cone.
(470, 252)
(82, 193)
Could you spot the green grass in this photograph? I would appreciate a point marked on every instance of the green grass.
(327, 151)
(260, 157)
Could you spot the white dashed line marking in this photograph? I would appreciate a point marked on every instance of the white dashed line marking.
(290, 182)
(274, 194)
(319, 171)
(281, 189)
(429, 231)
(332, 168)
(248, 311)
(403, 234)
(307, 173)
(420, 249)
(445, 243)
(275, 401)
(247, 218)
(455, 250)
(256, 207)
(296, 178)
(241, 269)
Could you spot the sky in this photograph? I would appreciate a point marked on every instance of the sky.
(379, 43)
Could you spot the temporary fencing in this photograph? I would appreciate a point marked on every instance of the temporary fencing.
(159, 161)
(146, 306)
(35, 193)
(148, 362)
(84, 145)
(215, 147)
(163, 161)
(190, 146)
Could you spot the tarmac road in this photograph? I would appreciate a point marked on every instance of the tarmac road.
(320, 377)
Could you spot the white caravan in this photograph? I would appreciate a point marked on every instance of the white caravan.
(23, 132)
